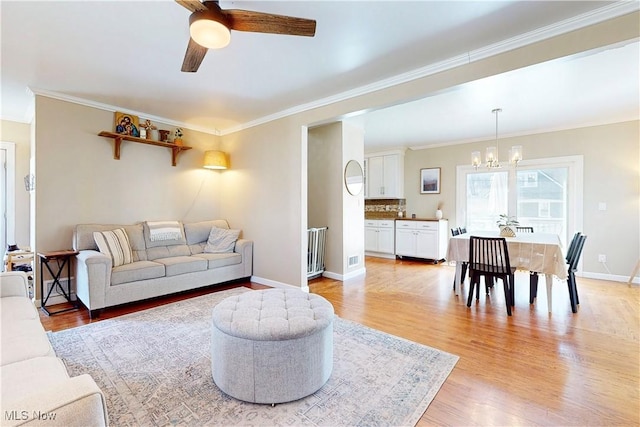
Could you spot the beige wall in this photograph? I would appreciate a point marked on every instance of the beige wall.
(329, 203)
(18, 133)
(324, 200)
(78, 180)
(265, 191)
(353, 206)
(611, 175)
(277, 150)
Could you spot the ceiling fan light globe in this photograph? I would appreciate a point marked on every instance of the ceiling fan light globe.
(208, 33)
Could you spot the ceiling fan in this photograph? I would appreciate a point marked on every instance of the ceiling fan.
(209, 28)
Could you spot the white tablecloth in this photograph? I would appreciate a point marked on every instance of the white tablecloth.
(539, 252)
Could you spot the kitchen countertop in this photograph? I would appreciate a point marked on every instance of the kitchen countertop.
(420, 219)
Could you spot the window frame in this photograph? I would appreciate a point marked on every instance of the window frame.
(575, 188)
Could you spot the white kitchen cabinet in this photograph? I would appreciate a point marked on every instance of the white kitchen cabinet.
(379, 236)
(422, 238)
(385, 176)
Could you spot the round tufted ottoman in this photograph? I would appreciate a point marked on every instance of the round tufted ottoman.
(272, 346)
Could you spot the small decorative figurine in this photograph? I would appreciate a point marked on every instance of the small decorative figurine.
(148, 128)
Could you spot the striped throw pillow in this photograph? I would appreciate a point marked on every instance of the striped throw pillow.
(115, 243)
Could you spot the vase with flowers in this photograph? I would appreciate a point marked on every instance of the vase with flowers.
(507, 225)
(177, 136)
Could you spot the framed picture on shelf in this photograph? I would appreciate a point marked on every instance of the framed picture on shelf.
(430, 181)
(127, 124)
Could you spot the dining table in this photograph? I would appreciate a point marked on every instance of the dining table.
(533, 252)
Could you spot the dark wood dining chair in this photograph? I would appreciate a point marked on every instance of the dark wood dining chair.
(465, 265)
(524, 229)
(572, 246)
(533, 276)
(456, 232)
(571, 277)
(489, 258)
(533, 287)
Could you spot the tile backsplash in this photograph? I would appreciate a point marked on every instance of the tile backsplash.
(384, 208)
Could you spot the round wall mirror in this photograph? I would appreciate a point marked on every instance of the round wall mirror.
(353, 177)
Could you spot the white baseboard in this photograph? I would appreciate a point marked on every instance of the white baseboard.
(611, 277)
(380, 255)
(328, 274)
(343, 277)
(276, 284)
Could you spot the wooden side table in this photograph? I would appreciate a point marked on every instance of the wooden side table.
(61, 259)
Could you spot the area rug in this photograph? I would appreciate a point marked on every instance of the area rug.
(154, 368)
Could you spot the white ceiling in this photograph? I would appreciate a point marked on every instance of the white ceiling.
(127, 55)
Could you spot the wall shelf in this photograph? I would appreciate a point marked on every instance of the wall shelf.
(118, 138)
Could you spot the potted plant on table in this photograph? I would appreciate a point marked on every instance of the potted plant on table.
(507, 225)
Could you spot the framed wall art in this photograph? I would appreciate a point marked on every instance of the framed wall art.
(430, 181)
(127, 124)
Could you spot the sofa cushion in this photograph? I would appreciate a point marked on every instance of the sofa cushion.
(83, 235)
(198, 232)
(20, 378)
(16, 308)
(167, 251)
(30, 344)
(181, 240)
(115, 243)
(16, 328)
(139, 270)
(136, 239)
(176, 265)
(221, 260)
(221, 240)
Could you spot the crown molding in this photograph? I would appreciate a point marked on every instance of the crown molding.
(602, 14)
(611, 11)
(491, 139)
(114, 108)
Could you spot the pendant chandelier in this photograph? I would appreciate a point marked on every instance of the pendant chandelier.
(492, 155)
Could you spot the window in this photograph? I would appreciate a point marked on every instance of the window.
(545, 194)
(543, 206)
(486, 199)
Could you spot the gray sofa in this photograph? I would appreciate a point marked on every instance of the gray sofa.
(35, 386)
(158, 268)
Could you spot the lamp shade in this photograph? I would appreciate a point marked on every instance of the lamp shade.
(215, 160)
(209, 30)
(475, 159)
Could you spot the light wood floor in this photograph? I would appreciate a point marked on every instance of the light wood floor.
(533, 368)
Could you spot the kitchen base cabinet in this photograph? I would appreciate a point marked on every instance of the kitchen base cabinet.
(422, 239)
(379, 236)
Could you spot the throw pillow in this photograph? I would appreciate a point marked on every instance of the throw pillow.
(221, 240)
(115, 243)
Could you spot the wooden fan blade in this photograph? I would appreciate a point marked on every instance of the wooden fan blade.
(259, 22)
(192, 5)
(194, 56)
